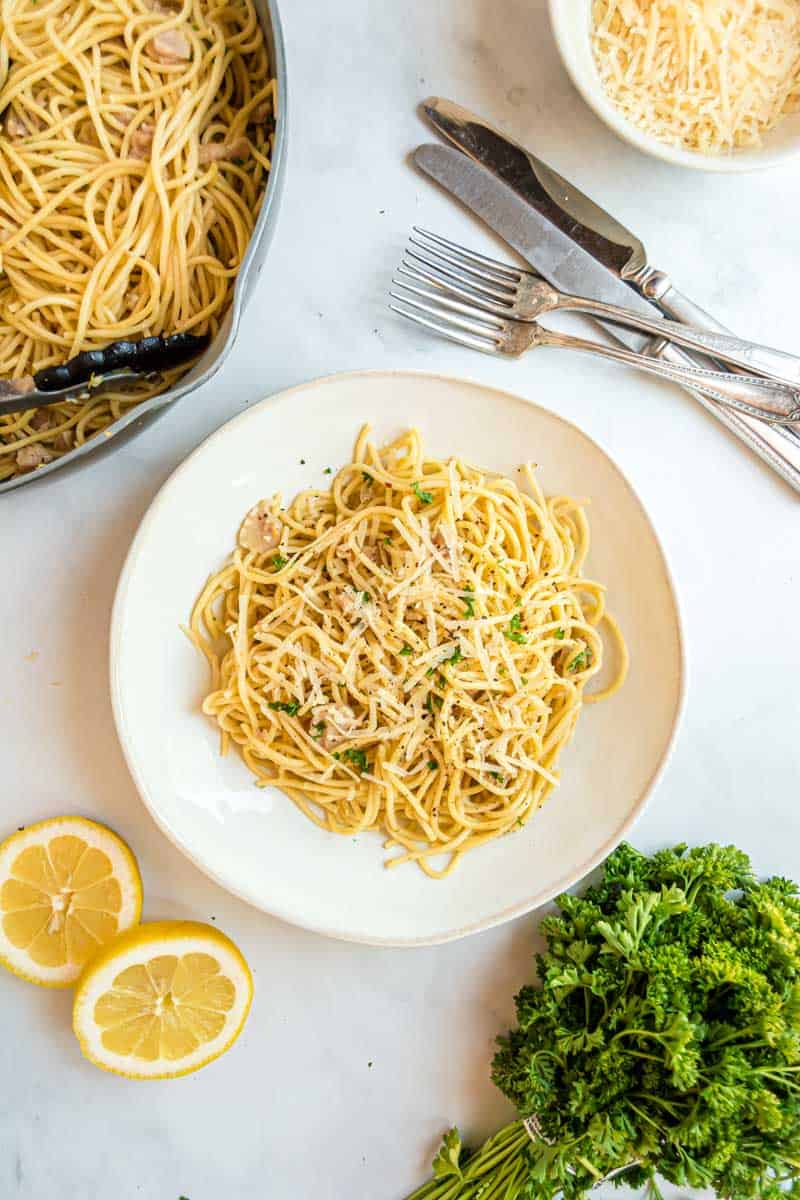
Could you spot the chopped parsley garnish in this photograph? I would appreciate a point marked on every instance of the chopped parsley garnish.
(406, 650)
(365, 475)
(318, 729)
(581, 660)
(365, 596)
(387, 540)
(496, 775)
(289, 708)
(358, 758)
(278, 562)
(455, 657)
(429, 672)
(523, 679)
(559, 635)
(423, 497)
(442, 682)
(431, 700)
(518, 602)
(468, 596)
(512, 633)
(432, 764)
(328, 471)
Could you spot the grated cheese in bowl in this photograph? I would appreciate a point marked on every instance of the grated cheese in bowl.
(705, 75)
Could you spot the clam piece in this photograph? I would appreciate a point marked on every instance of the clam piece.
(31, 457)
(260, 530)
(170, 47)
(339, 721)
(221, 151)
(16, 387)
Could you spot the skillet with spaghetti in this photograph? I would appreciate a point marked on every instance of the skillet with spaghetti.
(136, 146)
(409, 650)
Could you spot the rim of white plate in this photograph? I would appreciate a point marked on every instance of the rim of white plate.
(510, 912)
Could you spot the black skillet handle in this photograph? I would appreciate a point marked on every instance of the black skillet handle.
(146, 354)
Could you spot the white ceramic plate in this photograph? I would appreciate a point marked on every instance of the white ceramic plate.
(254, 841)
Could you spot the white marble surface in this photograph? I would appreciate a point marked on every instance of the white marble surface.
(355, 1059)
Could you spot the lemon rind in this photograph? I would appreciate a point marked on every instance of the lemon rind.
(177, 937)
(95, 834)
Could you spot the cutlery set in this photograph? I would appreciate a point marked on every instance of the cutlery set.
(584, 260)
(498, 309)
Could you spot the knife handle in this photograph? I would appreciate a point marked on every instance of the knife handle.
(715, 339)
(765, 399)
(749, 356)
(776, 445)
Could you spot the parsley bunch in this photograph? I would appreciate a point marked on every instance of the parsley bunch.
(663, 1040)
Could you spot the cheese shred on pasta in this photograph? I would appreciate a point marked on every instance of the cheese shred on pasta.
(707, 75)
(409, 650)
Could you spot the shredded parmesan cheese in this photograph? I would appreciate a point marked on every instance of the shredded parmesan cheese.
(707, 75)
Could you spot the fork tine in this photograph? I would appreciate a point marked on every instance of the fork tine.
(491, 331)
(445, 301)
(502, 287)
(505, 270)
(458, 276)
(476, 299)
(463, 339)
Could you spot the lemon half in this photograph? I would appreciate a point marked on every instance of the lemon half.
(67, 886)
(161, 1000)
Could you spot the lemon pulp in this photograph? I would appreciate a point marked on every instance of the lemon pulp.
(67, 886)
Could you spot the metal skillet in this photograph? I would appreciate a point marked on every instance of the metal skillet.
(141, 416)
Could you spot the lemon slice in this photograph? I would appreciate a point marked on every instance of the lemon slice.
(162, 999)
(66, 887)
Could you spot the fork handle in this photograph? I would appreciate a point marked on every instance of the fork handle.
(766, 399)
(723, 346)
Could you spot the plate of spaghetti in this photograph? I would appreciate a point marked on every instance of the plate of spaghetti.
(139, 141)
(396, 684)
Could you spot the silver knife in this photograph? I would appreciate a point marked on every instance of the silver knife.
(589, 225)
(571, 267)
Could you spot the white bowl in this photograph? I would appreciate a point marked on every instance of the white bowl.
(254, 841)
(572, 23)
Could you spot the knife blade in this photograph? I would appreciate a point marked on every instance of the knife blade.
(554, 254)
(586, 223)
(572, 268)
(562, 204)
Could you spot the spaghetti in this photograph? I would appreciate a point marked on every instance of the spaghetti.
(135, 147)
(408, 651)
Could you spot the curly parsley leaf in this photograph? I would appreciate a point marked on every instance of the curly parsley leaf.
(664, 1035)
(446, 1162)
(423, 497)
(357, 757)
(513, 632)
(581, 660)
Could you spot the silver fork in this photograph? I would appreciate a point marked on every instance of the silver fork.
(474, 321)
(509, 291)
